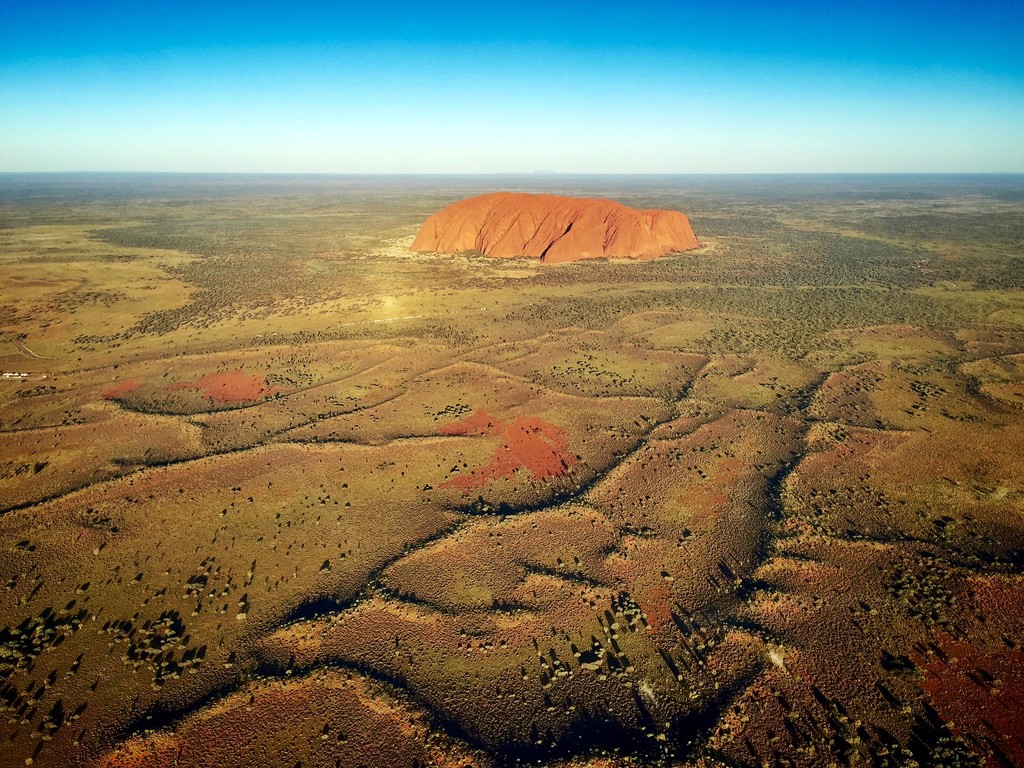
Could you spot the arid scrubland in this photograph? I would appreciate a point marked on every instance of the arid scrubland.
(277, 491)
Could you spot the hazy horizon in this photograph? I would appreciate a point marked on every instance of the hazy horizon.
(565, 88)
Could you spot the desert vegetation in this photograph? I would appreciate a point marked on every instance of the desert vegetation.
(276, 491)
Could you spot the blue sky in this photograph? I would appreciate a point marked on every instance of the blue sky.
(568, 86)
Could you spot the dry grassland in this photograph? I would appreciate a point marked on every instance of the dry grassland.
(274, 491)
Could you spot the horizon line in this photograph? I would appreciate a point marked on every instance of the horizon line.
(533, 174)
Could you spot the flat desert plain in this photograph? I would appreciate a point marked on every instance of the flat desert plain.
(277, 491)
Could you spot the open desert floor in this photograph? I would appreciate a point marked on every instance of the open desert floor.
(276, 491)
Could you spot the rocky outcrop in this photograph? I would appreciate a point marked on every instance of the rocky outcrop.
(554, 229)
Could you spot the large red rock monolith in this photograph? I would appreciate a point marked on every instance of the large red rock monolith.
(554, 229)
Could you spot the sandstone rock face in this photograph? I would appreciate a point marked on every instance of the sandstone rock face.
(554, 229)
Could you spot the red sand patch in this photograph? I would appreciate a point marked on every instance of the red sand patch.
(980, 695)
(230, 387)
(537, 446)
(121, 388)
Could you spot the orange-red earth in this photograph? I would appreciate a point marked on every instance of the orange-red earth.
(539, 447)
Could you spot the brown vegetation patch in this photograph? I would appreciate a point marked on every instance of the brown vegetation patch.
(43, 463)
(980, 694)
(753, 381)
(842, 687)
(892, 394)
(528, 631)
(1000, 380)
(490, 564)
(600, 364)
(230, 557)
(325, 720)
(531, 684)
(885, 342)
(958, 487)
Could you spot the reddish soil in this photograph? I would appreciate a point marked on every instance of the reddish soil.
(532, 444)
(554, 229)
(980, 695)
(121, 388)
(230, 387)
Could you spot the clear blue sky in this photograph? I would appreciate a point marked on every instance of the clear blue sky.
(563, 85)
